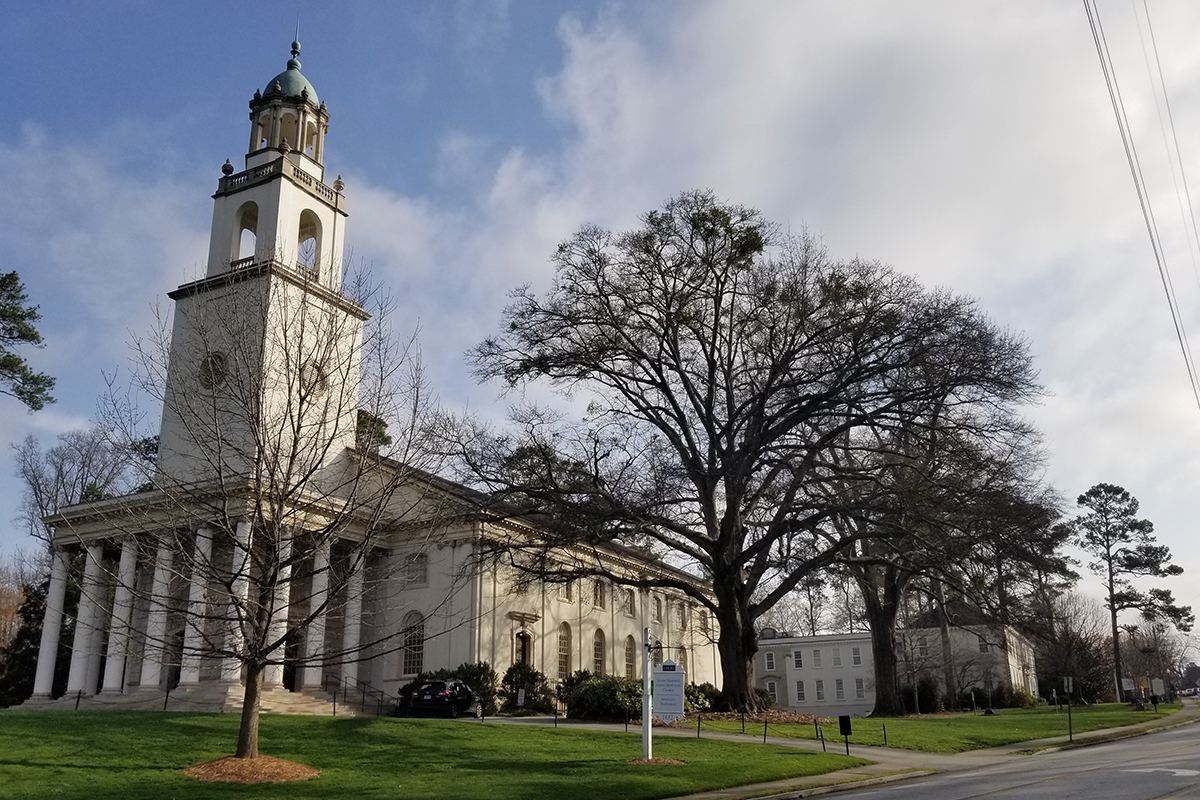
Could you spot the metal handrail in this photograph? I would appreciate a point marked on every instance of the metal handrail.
(355, 694)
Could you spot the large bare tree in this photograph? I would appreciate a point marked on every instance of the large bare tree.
(724, 363)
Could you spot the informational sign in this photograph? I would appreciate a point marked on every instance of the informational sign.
(1157, 687)
(1068, 685)
(1127, 684)
(669, 680)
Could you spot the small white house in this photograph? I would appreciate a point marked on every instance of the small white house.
(827, 675)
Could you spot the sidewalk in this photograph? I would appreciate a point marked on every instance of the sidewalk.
(890, 764)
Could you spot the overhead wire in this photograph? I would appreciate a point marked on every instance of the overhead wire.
(1189, 216)
(1135, 168)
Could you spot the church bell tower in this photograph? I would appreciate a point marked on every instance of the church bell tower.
(265, 346)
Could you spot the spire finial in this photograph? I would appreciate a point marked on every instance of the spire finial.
(296, 41)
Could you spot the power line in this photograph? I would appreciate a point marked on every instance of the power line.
(1135, 169)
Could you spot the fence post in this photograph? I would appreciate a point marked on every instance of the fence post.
(78, 696)
(885, 734)
(335, 703)
(166, 697)
(764, 731)
(822, 739)
(699, 716)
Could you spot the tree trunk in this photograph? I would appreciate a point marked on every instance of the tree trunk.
(881, 620)
(736, 646)
(948, 667)
(1116, 645)
(247, 746)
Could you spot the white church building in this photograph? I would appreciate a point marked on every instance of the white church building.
(269, 523)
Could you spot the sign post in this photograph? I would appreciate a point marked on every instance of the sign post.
(844, 727)
(1069, 685)
(647, 746)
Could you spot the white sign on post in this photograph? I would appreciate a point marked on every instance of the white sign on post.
(668, 691)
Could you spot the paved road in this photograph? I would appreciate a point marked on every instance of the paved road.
(1161, 766)
(1156, 766)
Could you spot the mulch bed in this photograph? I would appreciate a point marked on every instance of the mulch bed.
(263, 769)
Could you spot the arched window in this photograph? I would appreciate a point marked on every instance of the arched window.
(598, 652)
(414, 643)
(630, 657)
(308, 243)
(564, 651)
(245, 232)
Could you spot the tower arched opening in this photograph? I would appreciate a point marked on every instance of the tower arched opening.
(245, 232)
(308, 242)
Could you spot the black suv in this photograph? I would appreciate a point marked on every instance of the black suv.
(450, 697)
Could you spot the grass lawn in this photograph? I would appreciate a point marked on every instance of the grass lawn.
(956, 733)
(130, 755)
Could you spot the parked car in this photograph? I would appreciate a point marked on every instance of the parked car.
(450, 697)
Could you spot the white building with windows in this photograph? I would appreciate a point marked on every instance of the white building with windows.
(828, 675)
(158, 573)
(980, 657)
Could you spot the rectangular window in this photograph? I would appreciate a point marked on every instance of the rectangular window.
(839, 689)
(799, 691)
(820, 690)
(860, 689)
(772, 690)
(837, 656)
(704, 622)
(658, 609)
(416, 570)
(770, 662)
(816, 659)
(799, 658)
(922, 647)
(983, 645)
(566, 591)
(630, 603)
(598, 594)
(856, 656)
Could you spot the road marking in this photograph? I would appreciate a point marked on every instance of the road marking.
(1176, 772)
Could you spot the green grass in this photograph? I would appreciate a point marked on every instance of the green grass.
(131, 755)
(957, 733)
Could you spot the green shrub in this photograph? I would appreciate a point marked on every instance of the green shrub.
(605, 697)
(764, 698)
(537, 691)
(700, 696)
(927, 699)
(565, 687)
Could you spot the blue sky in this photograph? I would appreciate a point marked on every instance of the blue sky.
(970, 144)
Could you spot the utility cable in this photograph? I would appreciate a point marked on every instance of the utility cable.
(1118, 105)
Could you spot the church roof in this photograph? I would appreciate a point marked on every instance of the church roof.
(291, 83)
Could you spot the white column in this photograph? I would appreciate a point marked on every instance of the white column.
(43, 682)
(86, 619)
(197, 609)
(352, 622)
(273, 675)
(314, 639)
(238, 611)
(155, 651)
(118, 639)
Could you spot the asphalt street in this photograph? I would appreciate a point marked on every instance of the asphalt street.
(1158, 765)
